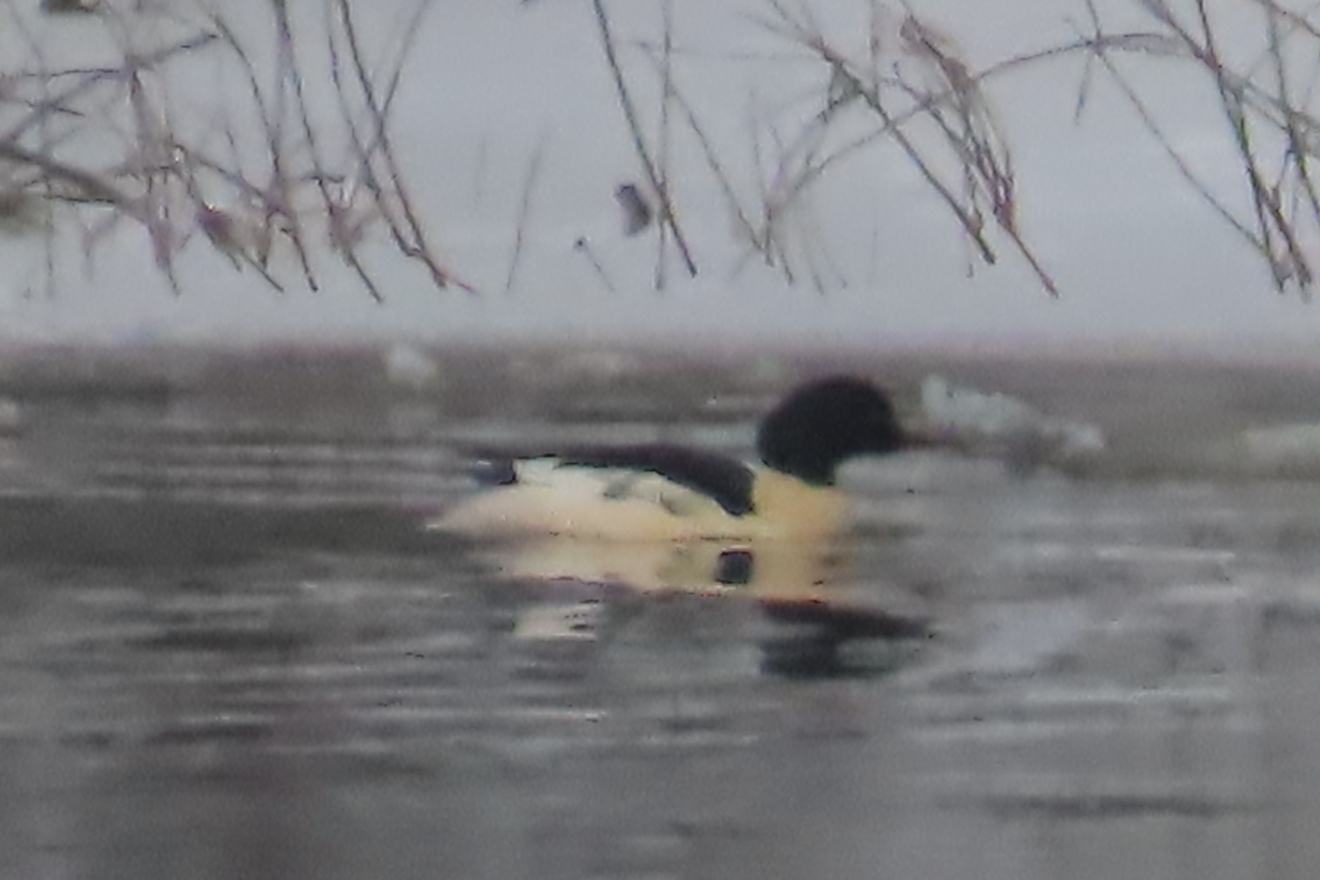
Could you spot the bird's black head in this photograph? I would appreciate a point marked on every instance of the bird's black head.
(820, 425)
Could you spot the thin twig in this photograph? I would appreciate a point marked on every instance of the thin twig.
(525, 211)
(584, 247)
(666, 100)
(711, 157)
(417, 247)
(667, 213)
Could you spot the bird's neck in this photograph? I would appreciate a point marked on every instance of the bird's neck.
(813, 470)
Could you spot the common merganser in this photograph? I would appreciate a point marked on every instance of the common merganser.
(667, 492)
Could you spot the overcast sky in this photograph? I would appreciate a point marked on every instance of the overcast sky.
(491, 83)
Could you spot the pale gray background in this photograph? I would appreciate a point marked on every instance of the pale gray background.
(1137, 255)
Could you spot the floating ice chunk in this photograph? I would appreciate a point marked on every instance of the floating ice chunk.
(409, 367)
(1292, 447)
(11, 416)
(948, 405)
(1007, 427)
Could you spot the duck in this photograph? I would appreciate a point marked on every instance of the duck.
(662, 491)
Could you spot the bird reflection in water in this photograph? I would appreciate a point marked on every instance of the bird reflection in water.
(817, 615)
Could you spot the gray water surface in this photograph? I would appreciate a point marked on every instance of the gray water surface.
(228, 650)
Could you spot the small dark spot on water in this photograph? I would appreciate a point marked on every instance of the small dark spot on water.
(1110, 806)
(207, 731)
(1299, 615)
(200, 584)
(235, 641)
(90, 739)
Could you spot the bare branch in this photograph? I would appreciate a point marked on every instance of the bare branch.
(668, 216)
(150, 164)
(525, 211)
(415, 245)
